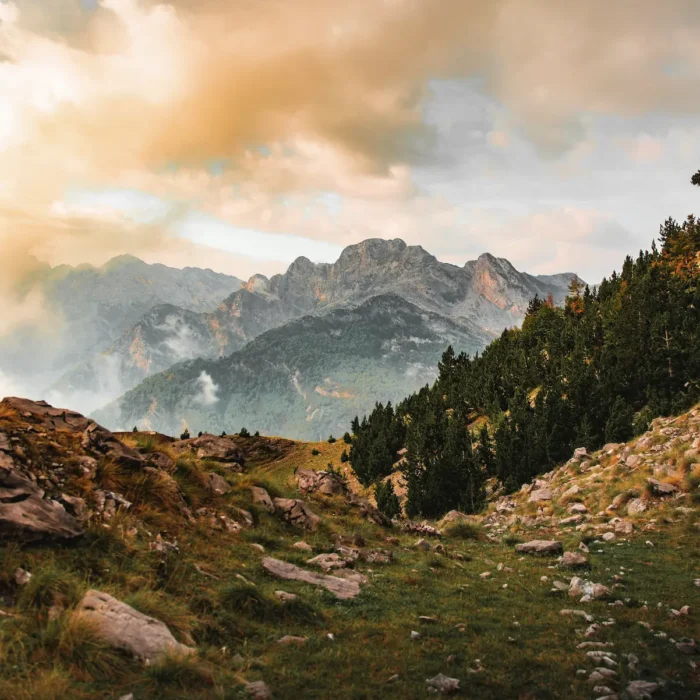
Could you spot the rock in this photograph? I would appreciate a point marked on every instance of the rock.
(641, 690)
(422, 544)
(577, 613)
(262, 498)
(218, 449)
(573, 560)
(22, 577)
(125, 628)
(581, 587)
(285, 597)
(427, 620)
(343, 589)
(74, 505)
(376, 556)
(577, 508)
(541, 495)
(687, 646)
(258, 690)
(608, 537)
(661, 489)
(295, 512)
(444, 684)
(290, 639)
(246, 516)
(636, 506)
(581, 454)
(624, 527)
(420, 528)
(540, 547)
(217, 485)
(571, 492)
(328, 561)
(26, 517)
(368, 511)
(571, 520)
(303, 546)
(454, 516)
(161, 461)
(415, 635)
(327, 483)
(100, 441)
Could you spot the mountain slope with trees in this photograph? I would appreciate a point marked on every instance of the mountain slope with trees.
(595, 371)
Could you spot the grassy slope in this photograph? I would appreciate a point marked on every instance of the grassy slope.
(42, 659)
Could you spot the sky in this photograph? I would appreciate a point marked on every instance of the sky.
(240, 134)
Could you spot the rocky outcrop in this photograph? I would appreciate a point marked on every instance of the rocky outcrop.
(262, 498)
(26, 516)
(297, 513)
(124, 628)
(327, 483)
(343, 589)
(218, 449)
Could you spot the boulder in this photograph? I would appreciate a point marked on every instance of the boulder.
(258, 690)
(125, 628)
(661, 489)
(577, 508)
(296, 512)
(573, 560)
(217, 485)
(624, 527)
(636, 506)
(641, 690)
(218, 449)
(161, 461)
(581, 454)
(541, 495)
(327, 483)
(368, 511)
(540, 547)
(329, 561)
(343, 589)
(262, 498)
(571, 492)
(25, 516)
(100, 441)
(444, 684)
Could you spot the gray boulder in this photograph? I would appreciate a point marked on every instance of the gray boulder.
(219, 449)
(296, 512)
(123, 627)
(540, 547)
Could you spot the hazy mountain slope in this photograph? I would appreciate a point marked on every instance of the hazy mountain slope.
(488, 292)
(89, 307)
(304, 379)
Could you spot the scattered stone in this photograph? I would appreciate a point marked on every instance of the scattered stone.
(328, 561)
(422, 544)
(258, 547)
(125, 628)
(262, 498)
(327, 483)
(297, 513)
(687, 646)
(427, 620)
(641, 690)
(540, 547)
(608, 537)
(636, 506)
(624, 527)
(218, 449)
(573, 560)
(217, 485)
(303, 546)
(541, 495)
(342, 588)
(258, 690)
(289, 639)
(285, 597)
(577, 508)
(444, 684)
(661, 489)
(22, 577)
(577, 613)
(161, 461)
(420, 528)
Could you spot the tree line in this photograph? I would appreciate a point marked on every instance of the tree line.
(594, 371)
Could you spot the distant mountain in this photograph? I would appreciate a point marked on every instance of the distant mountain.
(90, 307)
(305, 379)
(489, 293)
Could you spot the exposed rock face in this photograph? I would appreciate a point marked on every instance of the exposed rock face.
(26, 516)
(661, 489)
(219, 449)
(636, 506)
(217, 484)
(540, 547)
(161, 461)
(540, 495)
(343, 589)
(297, 513)
(327, 483)
(125, 628)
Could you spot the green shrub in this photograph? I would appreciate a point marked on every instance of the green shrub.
(331, 440)
(344, 457)
(244, 433)
(185, 435)
(387, 501)
(315, 452)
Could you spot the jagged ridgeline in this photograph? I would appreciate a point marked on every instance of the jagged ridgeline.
(596, 370)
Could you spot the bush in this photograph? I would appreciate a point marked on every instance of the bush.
(463, 530)
(331, 440)
(347, 439)
(223, 433)
(387, 501)
(344, 457)
(244, 433)
(200, 433)
(642, 420)
(315, 452)
(185, 435)
(135, 430)
(257, 433)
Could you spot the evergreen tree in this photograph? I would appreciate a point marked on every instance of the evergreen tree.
(386, 499)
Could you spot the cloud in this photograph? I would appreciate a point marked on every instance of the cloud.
(206, 395)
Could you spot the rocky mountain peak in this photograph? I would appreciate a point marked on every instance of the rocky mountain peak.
(258, 284)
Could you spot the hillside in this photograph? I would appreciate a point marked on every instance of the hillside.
(175, 531)
(487, 293)
(305, 379)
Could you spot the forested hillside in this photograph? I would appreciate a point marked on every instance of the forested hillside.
(595, 371)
